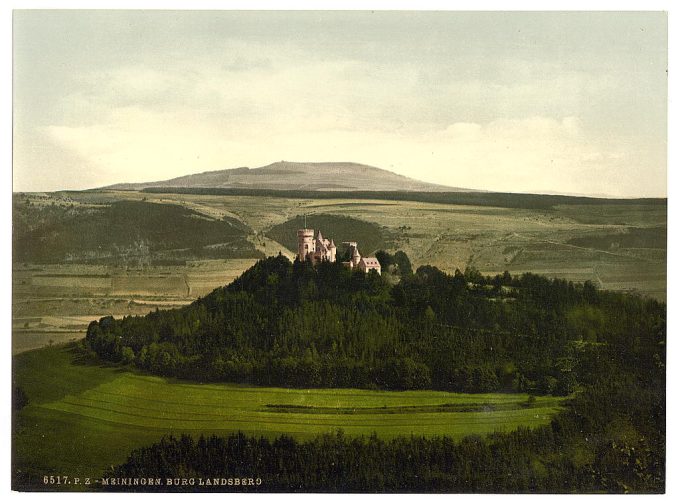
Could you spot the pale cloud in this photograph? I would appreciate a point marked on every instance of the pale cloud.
(462, 130)
(482, 116)
(541, 154)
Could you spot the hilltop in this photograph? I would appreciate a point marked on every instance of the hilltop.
(310, 176)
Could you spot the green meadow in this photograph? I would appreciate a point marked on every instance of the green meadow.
(82, 417)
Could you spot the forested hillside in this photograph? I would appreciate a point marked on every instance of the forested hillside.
(292, 324)
(298, 325)
(123, 232)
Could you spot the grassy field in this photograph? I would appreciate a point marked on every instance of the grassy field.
(82, 417)
(616, 246)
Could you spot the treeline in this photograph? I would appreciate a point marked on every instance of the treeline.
(292, 324)
(498, 199)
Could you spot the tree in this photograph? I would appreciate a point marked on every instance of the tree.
(19, 398)
(402, 260)
(127, 355)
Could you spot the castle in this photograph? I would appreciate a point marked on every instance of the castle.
(322, 250)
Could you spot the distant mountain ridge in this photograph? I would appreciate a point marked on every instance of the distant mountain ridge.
(308, 176)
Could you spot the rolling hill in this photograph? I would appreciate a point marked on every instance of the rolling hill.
(125, 232)
(321, 176)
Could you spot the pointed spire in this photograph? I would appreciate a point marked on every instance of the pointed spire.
(332, 245)
(320, 237)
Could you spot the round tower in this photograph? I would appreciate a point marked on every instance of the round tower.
(305, 243)
(332, 250)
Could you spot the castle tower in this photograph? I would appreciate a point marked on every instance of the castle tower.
(332, 250)
(305, 243)
(356, 256)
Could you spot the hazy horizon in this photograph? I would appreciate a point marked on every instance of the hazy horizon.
(539, 102)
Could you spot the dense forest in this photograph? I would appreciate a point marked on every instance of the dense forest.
(498, 199)
(294, 324)
(124, 232)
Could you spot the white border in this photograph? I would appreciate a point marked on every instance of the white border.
(672, 482)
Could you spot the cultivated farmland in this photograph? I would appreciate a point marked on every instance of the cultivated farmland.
(55, 302)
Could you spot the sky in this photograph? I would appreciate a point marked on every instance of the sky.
(560, 102)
